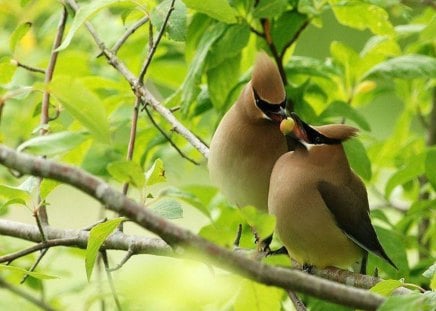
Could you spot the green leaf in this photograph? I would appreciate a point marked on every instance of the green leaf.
(167, 208)
(85, 12)
(235, 36)
(286, 27)
(344, 110)
(7, 70)
(430, 273)
(386, 287)
(82, 104)
(29, 184)
(347, 57)
(430, 166)
(156, 173)
(4, 205)
(221, 79)
(394, 245)
(97, 236)
(47, 186)
(127, 171)
(18, 34)
(223, 229)
(53, 144)
(37, 275)
(405, 67)
(358, 158)
(309, 66)
(263, 223)
(190, 87)
(217, 9)
(9, 192)
(269, 8)
(414, 168)
(361, 15)
(412, 301)
(257, 297)
(176, 26)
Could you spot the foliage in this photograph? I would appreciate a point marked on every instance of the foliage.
(370, 63)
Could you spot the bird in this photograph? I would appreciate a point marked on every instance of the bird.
(321, 205)
(248, 141)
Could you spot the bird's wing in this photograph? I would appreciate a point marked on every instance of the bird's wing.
(351, 212)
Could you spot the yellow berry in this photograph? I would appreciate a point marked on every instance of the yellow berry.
(287, 125)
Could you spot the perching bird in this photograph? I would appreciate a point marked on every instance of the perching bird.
(321, 206)
(248, 140)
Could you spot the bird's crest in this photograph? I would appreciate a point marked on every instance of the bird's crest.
(266, 80)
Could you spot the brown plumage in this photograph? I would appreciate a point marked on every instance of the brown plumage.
(321, 206)
(248, 141)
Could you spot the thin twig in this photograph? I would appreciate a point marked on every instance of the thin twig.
(167, 137)
(45, 118)
(155, 44)
(39, 223)
(19, 292)
(128, 33)
(110, 280)
(128, 255)
(132, 138)
(29, 68)
(35, 264)
(42, 245)
(50, 69)
(88, 228)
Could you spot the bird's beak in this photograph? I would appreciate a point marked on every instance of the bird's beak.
(300, 128)
(278, 116)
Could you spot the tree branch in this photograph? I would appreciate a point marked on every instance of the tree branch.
(142, 91)
(128, 33)
(184, 241)
(78, 238)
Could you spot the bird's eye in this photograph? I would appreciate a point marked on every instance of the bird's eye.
(318, 140)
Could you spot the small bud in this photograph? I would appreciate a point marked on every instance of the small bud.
(287, 125)
(13, 62)
(365, 87)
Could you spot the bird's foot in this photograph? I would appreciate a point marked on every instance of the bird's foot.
(281, 251)
(238, 237)
(307, 268)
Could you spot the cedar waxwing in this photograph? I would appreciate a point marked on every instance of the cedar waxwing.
(248, 140)
(321, 206)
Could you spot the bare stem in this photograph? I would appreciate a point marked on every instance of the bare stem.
(45, 118)
(110, 280)
(30, 68)
(128, 33)
(132, 138)
(19, 292)
(155, 44)
(172, 143)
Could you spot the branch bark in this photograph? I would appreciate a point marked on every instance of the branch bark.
(184, 241)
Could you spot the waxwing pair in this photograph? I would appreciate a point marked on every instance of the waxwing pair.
(321, 206)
